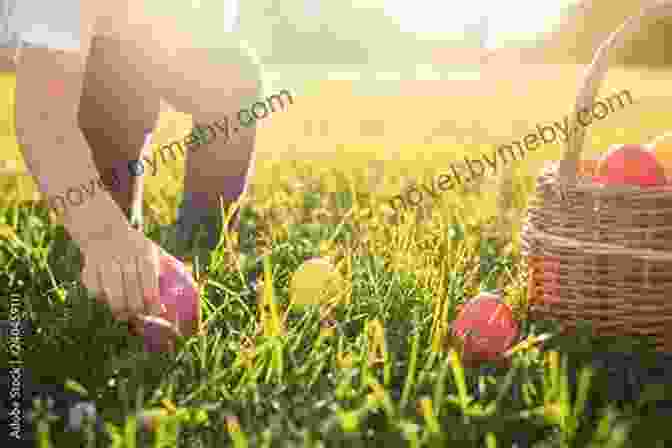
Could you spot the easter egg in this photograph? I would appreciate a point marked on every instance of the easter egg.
(486, 327)
(600, 180)
(179, 296)
(314, 280)
(661, 147)
(631, 165)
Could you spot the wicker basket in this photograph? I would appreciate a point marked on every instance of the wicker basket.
(601, 253)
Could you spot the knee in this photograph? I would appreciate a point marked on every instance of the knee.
(241, 59)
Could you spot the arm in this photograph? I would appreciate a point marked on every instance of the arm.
(52, 144)
(121, 265)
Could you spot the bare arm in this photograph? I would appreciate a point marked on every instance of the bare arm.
(121, 265)
(52, 143)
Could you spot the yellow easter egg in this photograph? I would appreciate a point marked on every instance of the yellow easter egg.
(661, 147)
(314, 281)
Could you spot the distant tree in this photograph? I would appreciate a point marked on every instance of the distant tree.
(588, 23)
(318, 31)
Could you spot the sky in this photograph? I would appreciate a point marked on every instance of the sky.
(510, 21)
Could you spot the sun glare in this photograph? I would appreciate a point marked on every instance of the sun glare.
(507, 21)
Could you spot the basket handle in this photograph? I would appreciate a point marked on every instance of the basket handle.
(593, 78)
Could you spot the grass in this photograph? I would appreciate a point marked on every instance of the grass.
(373, 365)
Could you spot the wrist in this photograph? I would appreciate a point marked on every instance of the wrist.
(99, 219)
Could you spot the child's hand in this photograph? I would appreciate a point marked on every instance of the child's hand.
(123, 270)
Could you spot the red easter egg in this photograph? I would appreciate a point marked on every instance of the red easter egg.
(487, 328)
(179, 295)
(631, 165)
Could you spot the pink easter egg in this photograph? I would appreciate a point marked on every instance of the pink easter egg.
(487, 328)
(631, 164)
(179, 295)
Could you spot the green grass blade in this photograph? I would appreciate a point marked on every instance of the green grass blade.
(410, 375)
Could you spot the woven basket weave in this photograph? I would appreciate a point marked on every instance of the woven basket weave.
(601, 253)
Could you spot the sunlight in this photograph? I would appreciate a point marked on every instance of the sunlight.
(508, 21)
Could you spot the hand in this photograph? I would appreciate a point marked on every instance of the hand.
(122, 268)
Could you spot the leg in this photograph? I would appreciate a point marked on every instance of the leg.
(211, 91)
(118, 105)
(219, 170)
(210, 84)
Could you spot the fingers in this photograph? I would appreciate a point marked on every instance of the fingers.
(90, 280)
(120, 286)
(132, 287)
(111, 280)
(148, 276)
(129, 286)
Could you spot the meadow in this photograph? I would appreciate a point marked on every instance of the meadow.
(373, 364)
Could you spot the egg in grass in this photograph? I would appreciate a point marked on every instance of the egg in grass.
(180, 301)
(314, 281)
(486, 329)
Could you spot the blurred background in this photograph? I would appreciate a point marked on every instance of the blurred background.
(381, 83)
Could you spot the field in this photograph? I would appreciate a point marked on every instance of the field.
(325, 170)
